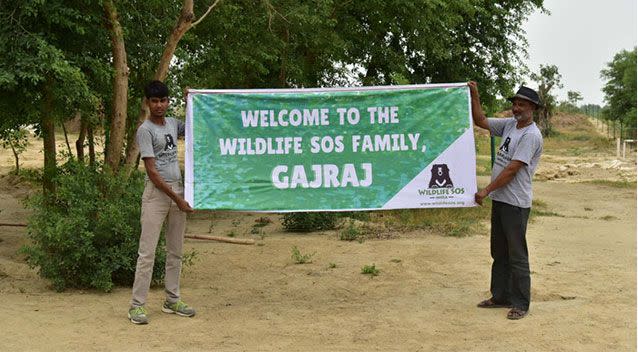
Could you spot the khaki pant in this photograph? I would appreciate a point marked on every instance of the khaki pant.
(157, 207)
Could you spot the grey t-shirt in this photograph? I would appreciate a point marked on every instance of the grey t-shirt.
(526, 145)
(160, 142)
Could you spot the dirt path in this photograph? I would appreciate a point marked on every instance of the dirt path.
(254, 298)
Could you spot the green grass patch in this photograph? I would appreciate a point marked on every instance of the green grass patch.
(483, 154)
(370, 270)
(577, 143)
(300, 258)
(456, 222)
(540, 208)
(536, 212)
(351, 233)
(613, 183)
(483, 165)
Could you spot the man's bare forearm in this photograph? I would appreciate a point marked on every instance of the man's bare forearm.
(477, 110)
(159, 182)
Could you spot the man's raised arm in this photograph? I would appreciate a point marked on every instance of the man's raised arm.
(477, 111)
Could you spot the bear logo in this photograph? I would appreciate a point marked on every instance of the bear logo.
(440, 177)
(170, 144)
(505, 147)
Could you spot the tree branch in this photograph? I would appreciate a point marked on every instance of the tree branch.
(210, 8)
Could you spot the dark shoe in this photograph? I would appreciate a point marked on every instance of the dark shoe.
(516, 314)
(490, 303)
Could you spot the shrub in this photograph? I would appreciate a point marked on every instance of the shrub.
(300, 258)
(456, 222)
(307, 222)
(370, 270)
(87, 235)
(351, 233)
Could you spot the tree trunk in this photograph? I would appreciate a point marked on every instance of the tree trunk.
(66, 139)
(17, 158)
(79, 144)
(284, 60)
(184, 24)
(120, 88)
(48, 138)
(89, 130)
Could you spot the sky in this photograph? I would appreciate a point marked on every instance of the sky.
(580, 37)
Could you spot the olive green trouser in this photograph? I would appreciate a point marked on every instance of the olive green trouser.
(157, 207)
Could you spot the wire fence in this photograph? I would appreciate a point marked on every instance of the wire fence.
(615, 129)
(624, 136)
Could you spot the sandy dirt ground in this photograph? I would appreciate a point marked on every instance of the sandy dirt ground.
(255, 298)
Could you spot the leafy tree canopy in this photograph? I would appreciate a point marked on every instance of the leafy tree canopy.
(620, 89)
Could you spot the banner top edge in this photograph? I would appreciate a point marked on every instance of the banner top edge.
(334, 89)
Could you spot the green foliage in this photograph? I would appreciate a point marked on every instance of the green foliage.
(300, 258)
(574, 97)
(370, 270)
(591, 110)
(547, 78)
(571, 104)
(189, 258)
(87, 236)
(620, 89)
(17, 140)
(44, 46)
(328, 43)
(318, 221)
(307, 222)
(57, 55)
(445, 221)
(351, 233)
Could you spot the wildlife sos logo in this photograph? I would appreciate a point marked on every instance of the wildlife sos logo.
(440, 177)
(170, 143)
(440, 185)
(505, 147)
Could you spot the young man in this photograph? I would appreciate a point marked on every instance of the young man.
(163, 199)
(511, 192)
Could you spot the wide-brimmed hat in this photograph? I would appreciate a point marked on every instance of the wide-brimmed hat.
(527, 94)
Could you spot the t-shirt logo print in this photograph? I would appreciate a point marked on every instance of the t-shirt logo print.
(440, 177)
(505, 147)
(170, 144)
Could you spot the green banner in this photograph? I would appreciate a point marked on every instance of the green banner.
(330, 149)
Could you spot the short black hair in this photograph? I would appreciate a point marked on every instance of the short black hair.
(156, 89)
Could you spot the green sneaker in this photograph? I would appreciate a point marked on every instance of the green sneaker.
(180, 308)
(137, 315)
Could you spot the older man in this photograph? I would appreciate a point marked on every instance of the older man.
(511, 192)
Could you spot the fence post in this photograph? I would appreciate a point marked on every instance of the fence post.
(492, 149)
(617, 148)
